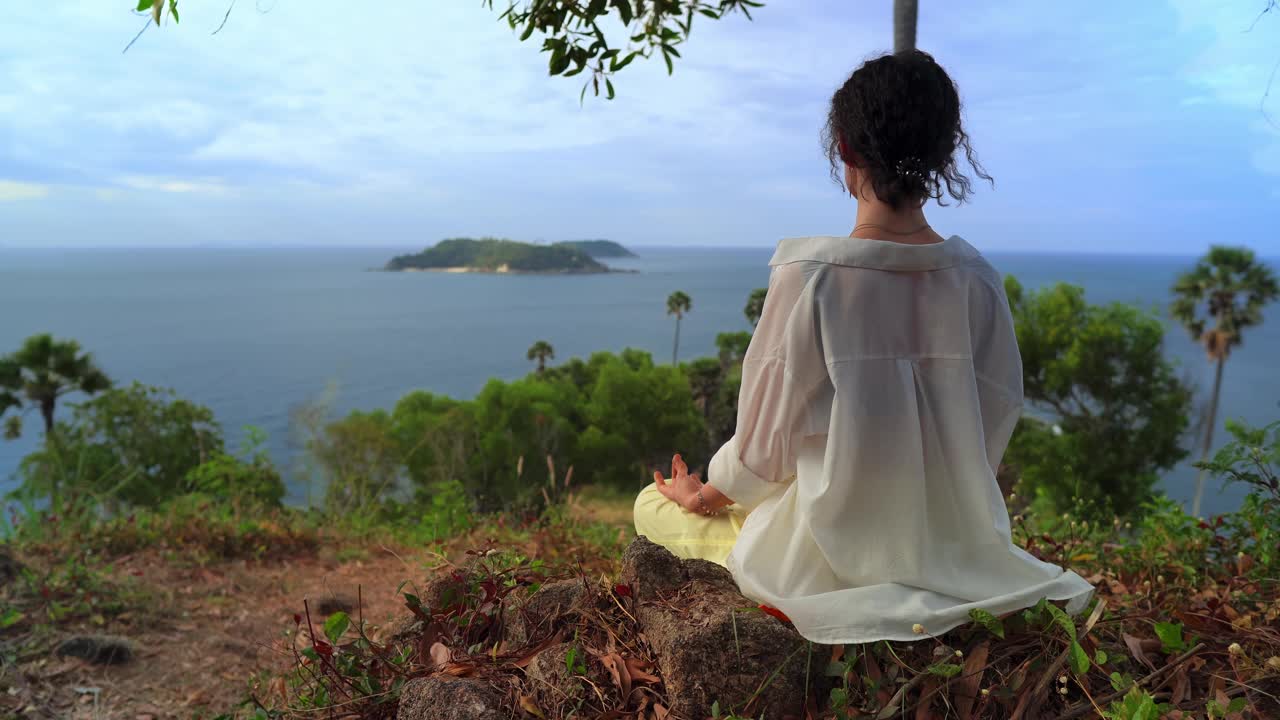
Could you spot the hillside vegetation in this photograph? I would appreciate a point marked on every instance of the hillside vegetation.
(497, 255)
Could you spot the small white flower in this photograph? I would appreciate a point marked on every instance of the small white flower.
(959, 654)
(1084, 524)
(986, 691)
(1062, 690)
(1160, 579)
(1239, 556)
(1057, 429)
(1073, 523)
(917, 629)
(1128, 525)
(1062, 679)
(1017, 518)
(1066, 516)
(1273, 662)
(1235, 649)
(1013, 496)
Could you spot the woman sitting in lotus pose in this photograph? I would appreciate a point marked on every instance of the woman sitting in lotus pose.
(858, 495)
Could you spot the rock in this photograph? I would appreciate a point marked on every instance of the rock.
(443, 591)
(449, 698)
(710, 643)
(535, 616)
(330, 604)
(98, 649)
(553, 685)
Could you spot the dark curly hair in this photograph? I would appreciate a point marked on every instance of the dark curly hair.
(898, 119)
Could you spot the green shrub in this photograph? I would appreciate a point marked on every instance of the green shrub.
(252, 478)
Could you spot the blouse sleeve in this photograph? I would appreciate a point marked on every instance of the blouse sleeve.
(782, 368)
(998, 367)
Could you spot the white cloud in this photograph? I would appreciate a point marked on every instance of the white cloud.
(11, 190)
(172, 185)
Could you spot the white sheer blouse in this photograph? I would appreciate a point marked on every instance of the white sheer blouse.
(878, 394)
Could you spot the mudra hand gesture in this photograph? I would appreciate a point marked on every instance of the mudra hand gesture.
(687, 490)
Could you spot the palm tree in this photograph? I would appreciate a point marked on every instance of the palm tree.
(678, 304)
(1230, 286)
(904, 24)
(542, 351)
(755, 306)
(41, 372)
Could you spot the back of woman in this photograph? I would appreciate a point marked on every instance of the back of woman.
(879, 392)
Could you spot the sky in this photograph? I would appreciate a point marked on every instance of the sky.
(1125, 127)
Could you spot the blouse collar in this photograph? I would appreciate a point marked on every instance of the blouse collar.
(874, 254)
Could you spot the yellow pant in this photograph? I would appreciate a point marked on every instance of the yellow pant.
(686, 534)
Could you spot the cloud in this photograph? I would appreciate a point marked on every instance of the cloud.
(173, 185)
(12, 190)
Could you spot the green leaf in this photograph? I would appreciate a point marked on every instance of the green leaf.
(145, 5)
(559, 61)
(988, 621)
(173, 10)
(715, 709)
(946, 670)
(1079, 658)
(608, 84)
(624, 9)
(834, 669)
(1062, 620)
(10, 617)
(597, 8)
(1170, 635)
(1120, 682)
(335, 626)
(667, 57)
(1100, 657)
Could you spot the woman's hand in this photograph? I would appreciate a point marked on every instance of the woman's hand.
(684, 486)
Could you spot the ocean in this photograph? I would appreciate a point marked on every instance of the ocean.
(252, 333)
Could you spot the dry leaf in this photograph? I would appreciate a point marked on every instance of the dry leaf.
(660, 712)
(970, 680)
(617, 668)
(528, 705)
(639, 671)
(1135, 647)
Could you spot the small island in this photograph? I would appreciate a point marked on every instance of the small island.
(493, 255)
(599, 248)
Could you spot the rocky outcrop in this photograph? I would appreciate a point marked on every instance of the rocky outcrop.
(98, 649)
(576, 649)
(712, 644)
(441, 697)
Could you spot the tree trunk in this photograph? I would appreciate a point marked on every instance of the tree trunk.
(1208, 435)
(675, 348)
(46, 411)
(904, 24)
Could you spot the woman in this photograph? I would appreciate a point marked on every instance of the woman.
(858, 495)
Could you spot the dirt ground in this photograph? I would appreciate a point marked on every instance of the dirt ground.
(209, 632)
(205, 633)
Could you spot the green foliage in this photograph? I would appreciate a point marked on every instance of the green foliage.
(578, 36)
(755, 306)
(599, 248)
(1118, 410)
(1253, 459)
(493, 254)
(1222, 296)
(732, 347)
(1170, 634)
(638, 418)
(361, 460)
(988, 621)
(251, 477)
(540, 352)
(1137, 704)
(39, 374)
(131, 446)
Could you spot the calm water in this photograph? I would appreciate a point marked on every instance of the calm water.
(252, 333)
